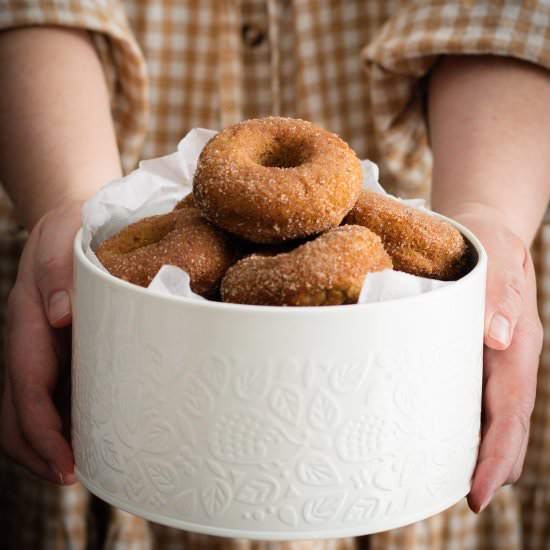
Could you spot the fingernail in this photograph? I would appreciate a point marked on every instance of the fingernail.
(58, 475)
(59, 306)
(485, 503)
(500, 329)
(69, 479)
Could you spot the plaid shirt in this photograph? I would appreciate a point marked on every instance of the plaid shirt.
(356, 68)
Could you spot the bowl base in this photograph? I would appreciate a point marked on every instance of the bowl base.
(372, 528)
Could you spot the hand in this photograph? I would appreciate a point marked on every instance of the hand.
(513, 340)
(33, 432)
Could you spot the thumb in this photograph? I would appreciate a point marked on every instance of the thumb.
(54, 265)
(506, 283)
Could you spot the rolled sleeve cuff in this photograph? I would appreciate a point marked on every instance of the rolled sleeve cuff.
(406, 48)
(120, 55)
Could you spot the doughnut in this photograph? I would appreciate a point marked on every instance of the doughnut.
(246, 247)
(328, 270)
(417, 242)
(274, 179)
(182, 238)
(187, 202)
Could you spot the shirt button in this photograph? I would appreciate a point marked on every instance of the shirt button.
(252, 35)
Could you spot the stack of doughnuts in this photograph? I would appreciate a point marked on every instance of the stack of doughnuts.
(278, 216)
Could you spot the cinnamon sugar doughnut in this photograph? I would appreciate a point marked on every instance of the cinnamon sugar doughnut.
(417, 242)
(274, 179)
(326, 271)
(187, 202)
(182, 238)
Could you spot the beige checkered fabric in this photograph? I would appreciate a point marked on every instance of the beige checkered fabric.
(354, 66)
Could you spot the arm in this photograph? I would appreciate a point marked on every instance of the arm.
(57, 146)
(55, 121)
(489, 125)
(489, 120)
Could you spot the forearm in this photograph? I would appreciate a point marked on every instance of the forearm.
(57, 142)
(489, 121)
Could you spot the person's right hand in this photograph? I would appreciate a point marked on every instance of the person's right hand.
(513, 341)
(33, 430)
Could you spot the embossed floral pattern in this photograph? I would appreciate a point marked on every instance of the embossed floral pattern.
(271, 442)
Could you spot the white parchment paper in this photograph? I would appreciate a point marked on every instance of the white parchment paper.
(158, 184)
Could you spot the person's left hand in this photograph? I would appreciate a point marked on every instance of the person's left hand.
(513, 342)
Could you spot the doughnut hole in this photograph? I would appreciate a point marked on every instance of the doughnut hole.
(280, 154)
(276, 179)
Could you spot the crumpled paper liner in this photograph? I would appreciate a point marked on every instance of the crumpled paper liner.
(158, 184)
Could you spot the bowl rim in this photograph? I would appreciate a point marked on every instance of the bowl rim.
(481, 263)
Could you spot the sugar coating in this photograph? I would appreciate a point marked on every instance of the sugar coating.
(187, 202)
(274, 179)
(183, 238)
(328, 270)
(417, 242)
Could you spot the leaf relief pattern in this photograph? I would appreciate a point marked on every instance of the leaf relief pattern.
(163, 476)
(159, 438)
(285, 403)
(196, 398)
(253, 381)
(323, 413)
(348, 376)
(323, 508)
(317, 471)
(110, 453)
(362, 509)
(262, 490)
(216, 497)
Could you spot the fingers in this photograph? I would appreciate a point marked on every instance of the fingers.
(41, 425)
(500, 457)
(506, 285)
(15, 445)
(32, 427)
(33, 373)
(53, 266)
(508, 400)
(506, 275)
(517, 469)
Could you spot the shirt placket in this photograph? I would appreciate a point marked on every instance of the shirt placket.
(249, 49)
(230, 63)
(275, 56)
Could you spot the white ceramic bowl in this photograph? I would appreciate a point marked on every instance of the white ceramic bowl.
(276, 423)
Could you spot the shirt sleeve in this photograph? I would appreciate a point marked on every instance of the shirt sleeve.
(120, 55)
(402, 53)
